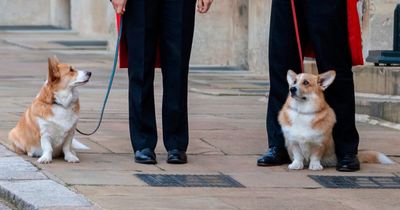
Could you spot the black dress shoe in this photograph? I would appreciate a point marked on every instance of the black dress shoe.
(176, 157)
(273, 157)
(145, 156)
(349, 163)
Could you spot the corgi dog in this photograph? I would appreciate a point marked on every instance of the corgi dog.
(46, 129)
(307, 122)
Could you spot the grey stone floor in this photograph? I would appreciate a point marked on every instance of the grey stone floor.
(227, 134)
(4, 205)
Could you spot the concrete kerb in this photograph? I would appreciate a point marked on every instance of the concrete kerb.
(26, 187)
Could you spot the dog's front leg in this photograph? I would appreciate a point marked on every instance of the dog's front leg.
(315, 158)
(47, 148)
(69, 155)
(297, 163)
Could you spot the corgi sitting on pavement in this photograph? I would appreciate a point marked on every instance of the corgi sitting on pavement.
(307, 122)
(46, 129)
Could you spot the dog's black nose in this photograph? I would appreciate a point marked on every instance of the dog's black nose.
(293, 90)
(89, 73)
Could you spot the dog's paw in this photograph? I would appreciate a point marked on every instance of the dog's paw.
(71, 158)
(296, 165)
(315, 166)
(45, 159)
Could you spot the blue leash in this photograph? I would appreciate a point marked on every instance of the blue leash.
(109, 83)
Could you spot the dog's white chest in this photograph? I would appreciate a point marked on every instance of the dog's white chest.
(65, 118)
(60, 124)
(300, 129)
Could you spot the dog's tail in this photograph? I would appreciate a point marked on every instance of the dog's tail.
(78, 145)
(373, 157)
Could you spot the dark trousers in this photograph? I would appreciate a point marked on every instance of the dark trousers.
(171, 22)
(324, 24)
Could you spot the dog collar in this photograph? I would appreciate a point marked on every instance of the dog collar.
(56, 103)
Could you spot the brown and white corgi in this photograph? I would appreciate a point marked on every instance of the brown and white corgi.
(307, 122)
(46, 129)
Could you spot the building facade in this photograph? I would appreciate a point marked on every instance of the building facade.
(233, 34)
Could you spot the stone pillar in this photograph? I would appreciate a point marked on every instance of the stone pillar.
(94, 18)
(221, 35)
(259, 20)
(60, 12)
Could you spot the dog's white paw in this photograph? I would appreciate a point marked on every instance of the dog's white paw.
(296, 165)
(45, 159)
(315, 166)
(71, 158)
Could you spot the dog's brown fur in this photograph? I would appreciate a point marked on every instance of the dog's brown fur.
(26, 136)
(307, 122)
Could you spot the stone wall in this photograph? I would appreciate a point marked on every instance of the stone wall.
(220, 39)
(377, 24)
(234, 33)
(37, 12)
(221, 35)
(92, 17)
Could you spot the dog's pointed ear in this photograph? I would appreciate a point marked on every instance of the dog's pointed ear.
(326, 79)
(53, 69)
(291, 77)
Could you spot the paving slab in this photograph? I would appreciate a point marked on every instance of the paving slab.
(3, 206)
(4, 152)
(16, 168)
(36, 194)
(210, 198)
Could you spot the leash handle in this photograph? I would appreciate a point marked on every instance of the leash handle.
(109, 83)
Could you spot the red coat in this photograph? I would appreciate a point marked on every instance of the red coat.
(354, 31)
(123, 50)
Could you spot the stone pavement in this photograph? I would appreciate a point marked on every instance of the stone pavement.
(3, 205)
(227, 134)
(27, 187)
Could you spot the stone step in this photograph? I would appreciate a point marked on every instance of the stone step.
(386, 107)
(26, 187)
(383, 80)
(377, 90)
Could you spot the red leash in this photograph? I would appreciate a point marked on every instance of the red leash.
(296, 28)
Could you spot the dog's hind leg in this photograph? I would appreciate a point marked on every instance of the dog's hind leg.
(329, 159)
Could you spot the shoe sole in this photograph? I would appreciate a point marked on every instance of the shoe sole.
(347, 169)
(148, 162)
(176, 162)
(266, 164)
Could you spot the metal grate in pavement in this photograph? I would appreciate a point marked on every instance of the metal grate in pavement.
(360, 182)
(169, 180)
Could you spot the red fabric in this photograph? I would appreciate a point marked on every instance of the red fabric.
(354, 31)
(123, 49)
